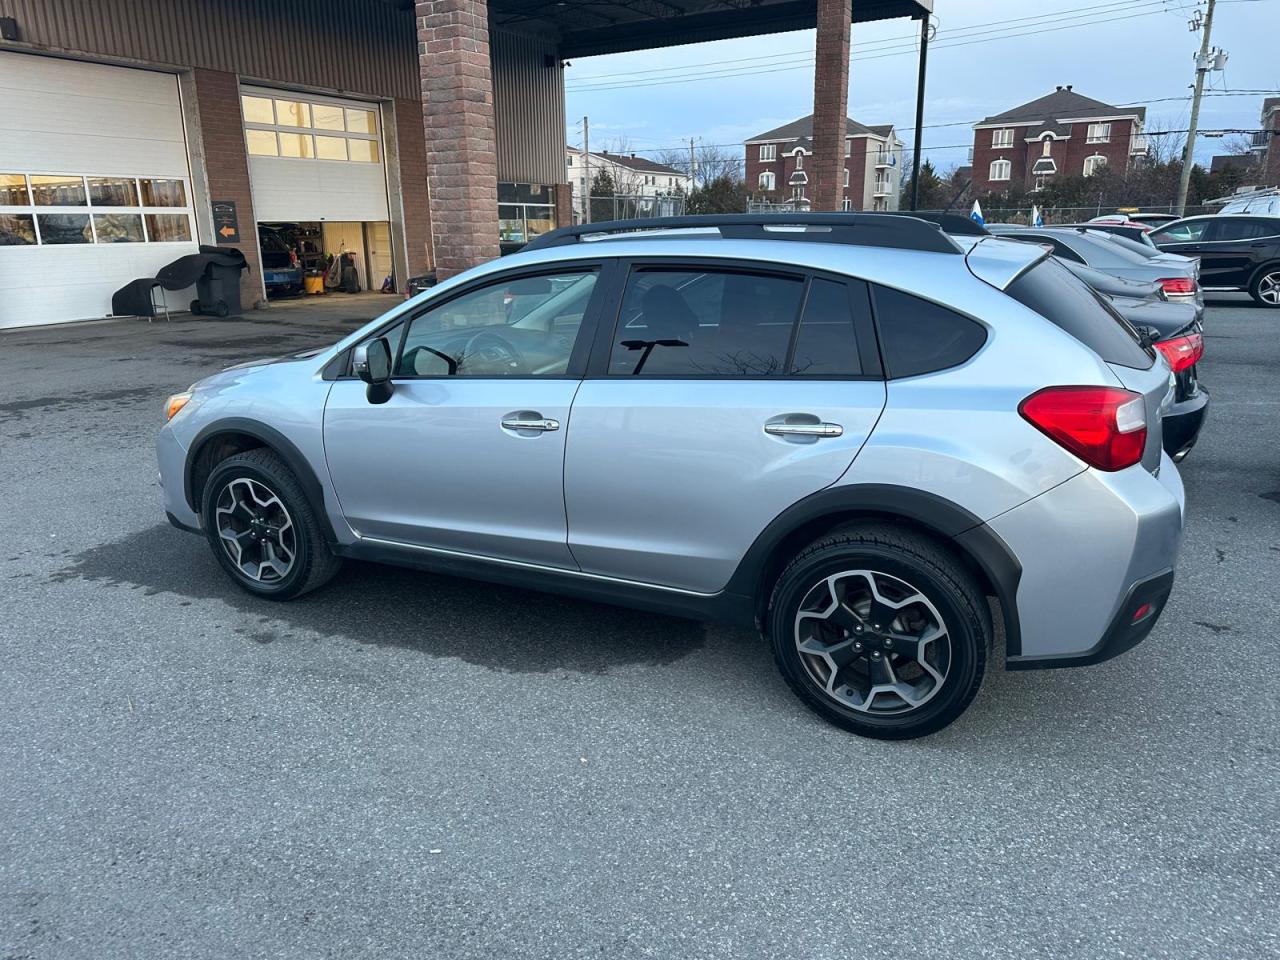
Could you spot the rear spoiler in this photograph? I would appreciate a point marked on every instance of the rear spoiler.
(999, 262)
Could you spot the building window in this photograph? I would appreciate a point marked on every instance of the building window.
(1041, 179)
(797, 192)
(846, 204)
(848, 148)
(799, 161)
(1098, 133)
(1093, 164)
(999, 170)
(846, 176)
(48, 209)
(309, 130)
(1046, 147)
(768, 151)
(1001, 138)
(767, 181)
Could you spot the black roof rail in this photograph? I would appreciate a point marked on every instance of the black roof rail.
(855, 229)
(954, 223)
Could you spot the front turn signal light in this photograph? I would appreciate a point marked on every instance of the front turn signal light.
(176, 403)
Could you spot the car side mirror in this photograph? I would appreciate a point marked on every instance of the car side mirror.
(371, 362)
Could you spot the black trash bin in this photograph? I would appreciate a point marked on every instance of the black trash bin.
(218, 290)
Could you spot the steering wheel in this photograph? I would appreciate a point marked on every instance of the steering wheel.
(496, 352)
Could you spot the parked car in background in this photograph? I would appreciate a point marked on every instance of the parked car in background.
(281, 271)
(1153, 219)
(855, 443)
(1263, 203)
(1236, 252)
(1130, 230)
(1178, 275)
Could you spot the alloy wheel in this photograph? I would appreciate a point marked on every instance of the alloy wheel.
(873, 642)
(255, 530)
(1269, 289)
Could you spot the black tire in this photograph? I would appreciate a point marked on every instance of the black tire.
(1270, 275)
(313, 564)
(220, 309)
(195, 308)
(909, 558)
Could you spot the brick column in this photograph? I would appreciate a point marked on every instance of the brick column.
(226, 162)
(457, 115)
(564, 204)
(412, 156)
(830, 103)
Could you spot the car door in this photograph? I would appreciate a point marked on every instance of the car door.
(1233, 247)
(468, 453)
(1185, 238)
(722, 394)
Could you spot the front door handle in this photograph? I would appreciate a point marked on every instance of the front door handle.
(804, 429)
(542, 424)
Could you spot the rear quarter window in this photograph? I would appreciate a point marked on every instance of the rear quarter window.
(918, 336)
(1068, 303)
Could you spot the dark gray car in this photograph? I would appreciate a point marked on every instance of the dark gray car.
(1179, 276)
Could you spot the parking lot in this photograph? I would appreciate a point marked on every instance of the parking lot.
(410, 765)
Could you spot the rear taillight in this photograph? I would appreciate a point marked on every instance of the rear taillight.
(1106, 427)
(1182, 352)
(1178, 286)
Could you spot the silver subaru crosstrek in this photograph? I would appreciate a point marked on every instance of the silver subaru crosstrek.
(881, 446)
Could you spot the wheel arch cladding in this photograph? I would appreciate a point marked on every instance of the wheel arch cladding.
(976, 545)
(227, 437)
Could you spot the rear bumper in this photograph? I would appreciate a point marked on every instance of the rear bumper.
(1093, 550)
(1180, 425)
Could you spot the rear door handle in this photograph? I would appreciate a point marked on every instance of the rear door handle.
(543, 424)
(804, 429)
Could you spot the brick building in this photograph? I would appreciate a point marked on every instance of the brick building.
(1266, 143)
(1061, 134)
(413, 135)
(780, 167)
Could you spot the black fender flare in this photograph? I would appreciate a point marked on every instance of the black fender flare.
(276, 441)
(972, 538)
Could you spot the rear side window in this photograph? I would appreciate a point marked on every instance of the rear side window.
(918, 336)
(1050, 290)
(1229, 229)
(826, 343)
(705, 323)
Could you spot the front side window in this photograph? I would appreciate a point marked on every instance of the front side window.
(517, 327)
(768, 151)
(705, 323)
(1188, 231)
(919, 336)
(1001, 138)
(999, 170)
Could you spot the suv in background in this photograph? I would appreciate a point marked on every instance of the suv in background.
(849, 430)
(1237, 252)
(1259, 203)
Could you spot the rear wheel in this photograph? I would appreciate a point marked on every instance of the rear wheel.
(881, 631)
(1265, 288)
(262, 529)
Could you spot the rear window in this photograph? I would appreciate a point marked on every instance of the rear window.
(1050, 290)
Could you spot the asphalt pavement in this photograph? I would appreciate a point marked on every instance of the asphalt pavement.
(405, 765)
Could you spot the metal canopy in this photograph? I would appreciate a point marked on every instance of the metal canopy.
(587, 28)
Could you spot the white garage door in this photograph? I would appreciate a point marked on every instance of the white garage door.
(95, 188)
(313, 158)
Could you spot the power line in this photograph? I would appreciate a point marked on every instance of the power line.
(618, 83)
(873, 44)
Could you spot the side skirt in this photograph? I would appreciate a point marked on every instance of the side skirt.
(720, 607)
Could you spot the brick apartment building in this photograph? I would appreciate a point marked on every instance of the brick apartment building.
(1062, 134)
(1266, 143)
(779, 167)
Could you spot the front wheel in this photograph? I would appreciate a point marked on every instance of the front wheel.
(263, 530)
(880, 631)
(1265, 288)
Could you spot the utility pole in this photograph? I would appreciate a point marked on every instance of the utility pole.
(1188, 154)
(693, 167)
(586, 170)
(915, 154)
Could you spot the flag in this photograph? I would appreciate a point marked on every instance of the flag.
(1036, 219)
(976, 214)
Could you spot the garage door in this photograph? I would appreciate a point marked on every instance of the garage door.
(313, 158)
(95, 188)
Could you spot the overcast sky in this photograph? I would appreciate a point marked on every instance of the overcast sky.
(1118, 52)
